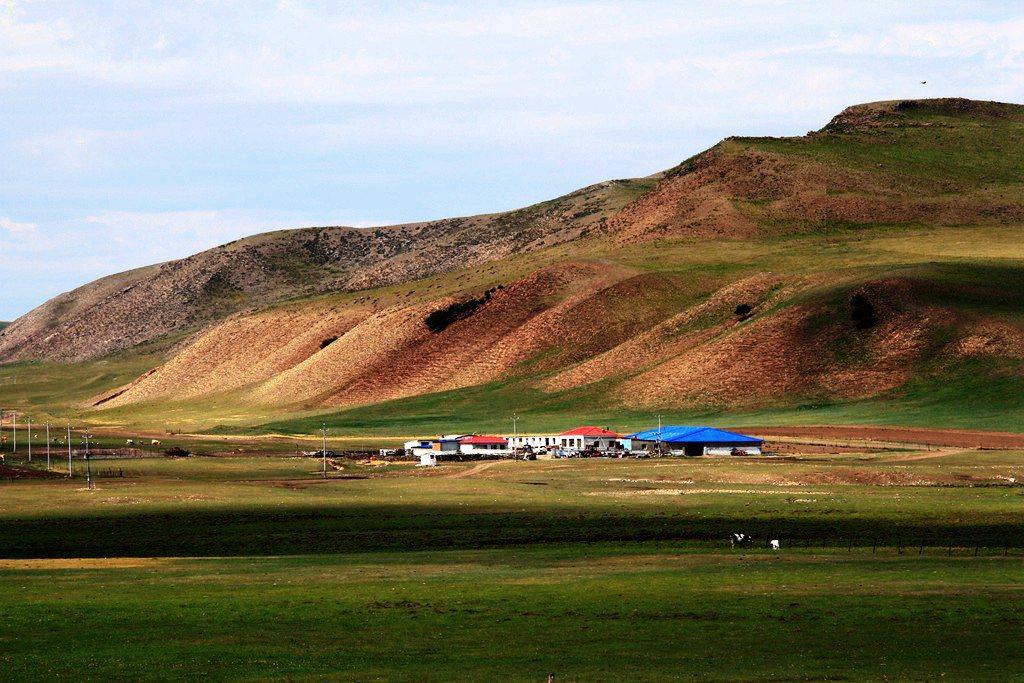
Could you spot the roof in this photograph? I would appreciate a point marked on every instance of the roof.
(689, 434)
(481, 440)
(591, 431)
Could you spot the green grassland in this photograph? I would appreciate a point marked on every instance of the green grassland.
(607, 612)
(976, 270)
(255, 568)
(924, 142)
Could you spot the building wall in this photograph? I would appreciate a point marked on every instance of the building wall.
(707, 448)
(534, 441)
(575, 442)
(478, 449)
(752, 449)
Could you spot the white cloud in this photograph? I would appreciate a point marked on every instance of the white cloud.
(162, 235)
(15, 228)
(941, 39)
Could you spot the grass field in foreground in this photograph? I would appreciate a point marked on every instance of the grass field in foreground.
(243, 568)
(279, 505)
(634, 612)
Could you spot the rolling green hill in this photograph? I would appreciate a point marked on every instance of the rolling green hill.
(868, 272)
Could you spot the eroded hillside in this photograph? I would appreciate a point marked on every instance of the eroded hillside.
(763, 272)
(167, 300)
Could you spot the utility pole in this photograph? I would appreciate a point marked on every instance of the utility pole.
(70, 473)
(14, 431)
(659, 434)
(29, 430)
(47, 446)
(88, 463)
(323, 434)
(515, 428)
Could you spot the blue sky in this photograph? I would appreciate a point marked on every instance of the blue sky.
(135, 132)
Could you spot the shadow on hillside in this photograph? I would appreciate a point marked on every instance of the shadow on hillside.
(293, 531)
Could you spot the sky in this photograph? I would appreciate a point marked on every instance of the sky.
(134, 132)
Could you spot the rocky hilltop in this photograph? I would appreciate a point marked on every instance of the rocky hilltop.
(139, 306)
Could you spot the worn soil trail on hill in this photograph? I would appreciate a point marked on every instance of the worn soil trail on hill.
(475, 469)
(961, 438)
(926, 455)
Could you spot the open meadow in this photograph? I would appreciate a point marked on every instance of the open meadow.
(521, 341)
(895, 563)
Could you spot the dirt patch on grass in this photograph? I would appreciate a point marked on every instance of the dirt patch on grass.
(797, 448)
(684, 492)
(86, 563)
(14, 472)
(475, 469)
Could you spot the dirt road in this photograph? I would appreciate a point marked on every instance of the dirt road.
(959, 438)
(476, 469)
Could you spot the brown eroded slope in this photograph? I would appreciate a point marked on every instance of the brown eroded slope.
(675, 335)
(239, 352)
(945, 161)
(565, 313)
(807, 349)
(129, 309)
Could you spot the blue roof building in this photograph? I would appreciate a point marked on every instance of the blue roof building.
(693, 440)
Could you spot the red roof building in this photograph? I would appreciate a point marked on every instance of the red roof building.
(480, 440)
(596, 432)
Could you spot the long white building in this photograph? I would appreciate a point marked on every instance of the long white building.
(580, 438)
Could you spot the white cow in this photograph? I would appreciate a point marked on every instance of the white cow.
(773, 544)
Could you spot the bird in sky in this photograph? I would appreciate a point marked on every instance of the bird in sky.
(923, 82)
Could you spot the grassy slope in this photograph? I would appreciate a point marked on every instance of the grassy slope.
(976, 156)
(386, 577)
(974, 151)
(952, 156)
(979, 393)
(985, 399)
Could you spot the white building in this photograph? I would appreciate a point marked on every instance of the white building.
(534, 441)
(594, 437)
(578, 439)
(434, 447)
(476, 444)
